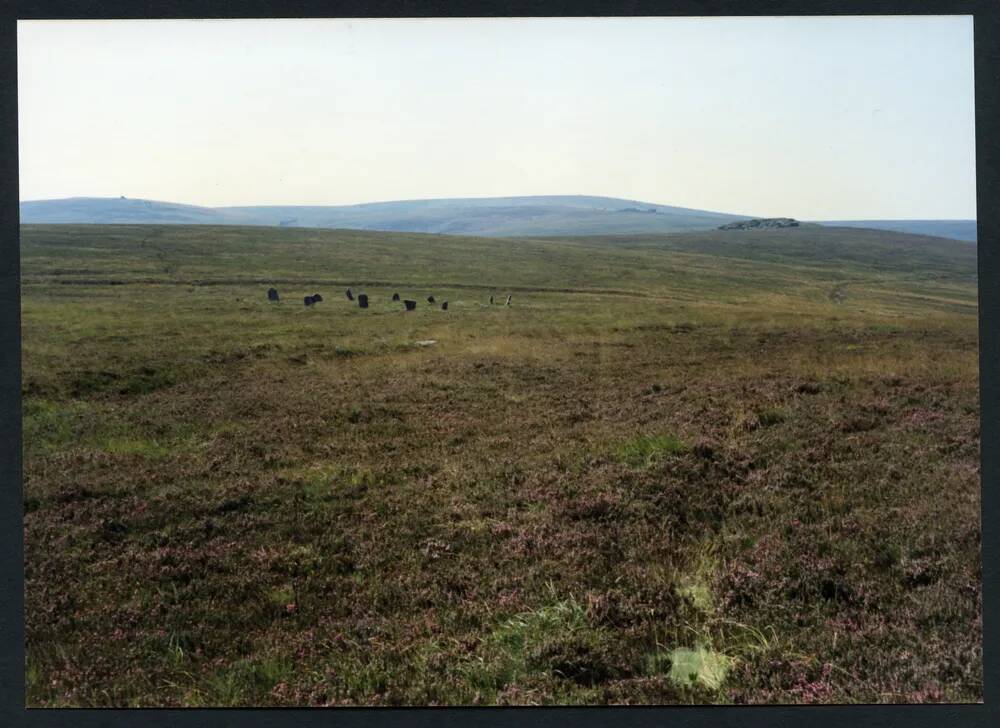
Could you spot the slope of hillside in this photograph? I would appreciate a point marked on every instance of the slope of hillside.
(120, 210)
(955, 229)
(495, 216)
(718, 266)
(818, 247)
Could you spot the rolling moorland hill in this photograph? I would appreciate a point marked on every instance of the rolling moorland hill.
(955, 229)
(706, 467)
(497, 216)
(644, 264)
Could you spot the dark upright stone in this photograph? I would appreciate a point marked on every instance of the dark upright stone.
(430, 299)
(410, 305)
(491, 300)
(444, 306)
(395, 296)
(350, 296)
(272, 294)
(363, 300)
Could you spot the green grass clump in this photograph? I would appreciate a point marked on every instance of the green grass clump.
(50, 426)
(513, 649)
(516, 635)
(243, 683)
(689, 667)
(645, 449)
(555, 642)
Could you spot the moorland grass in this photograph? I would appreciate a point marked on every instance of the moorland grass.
(671, 455)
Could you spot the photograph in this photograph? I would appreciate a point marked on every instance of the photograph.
(499, 361)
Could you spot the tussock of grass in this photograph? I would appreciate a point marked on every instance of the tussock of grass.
(555, 640)
(645, 449)
(514, 636)
(32, 673)
(242, 683)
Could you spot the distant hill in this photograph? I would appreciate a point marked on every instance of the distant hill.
(110, 210)
(956, 229)
(544, 215)
(493, 216)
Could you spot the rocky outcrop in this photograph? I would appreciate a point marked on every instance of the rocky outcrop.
(761, 222)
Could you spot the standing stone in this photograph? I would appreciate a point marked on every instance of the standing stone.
(444, 306)
(363, 300)
(491, 300)
(430, 299)
(410, 305)
(272, 294)
(508, 300)
(350, 296)
(395, 296)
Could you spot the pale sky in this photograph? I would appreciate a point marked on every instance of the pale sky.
(813, 118)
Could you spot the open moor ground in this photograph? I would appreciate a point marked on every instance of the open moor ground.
(729, 467)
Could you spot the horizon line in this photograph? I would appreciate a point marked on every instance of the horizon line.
(490, 197)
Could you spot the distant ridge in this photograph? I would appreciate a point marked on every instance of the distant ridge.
(955, 229)
(110, 210)
(540, 215)
(491, 216)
